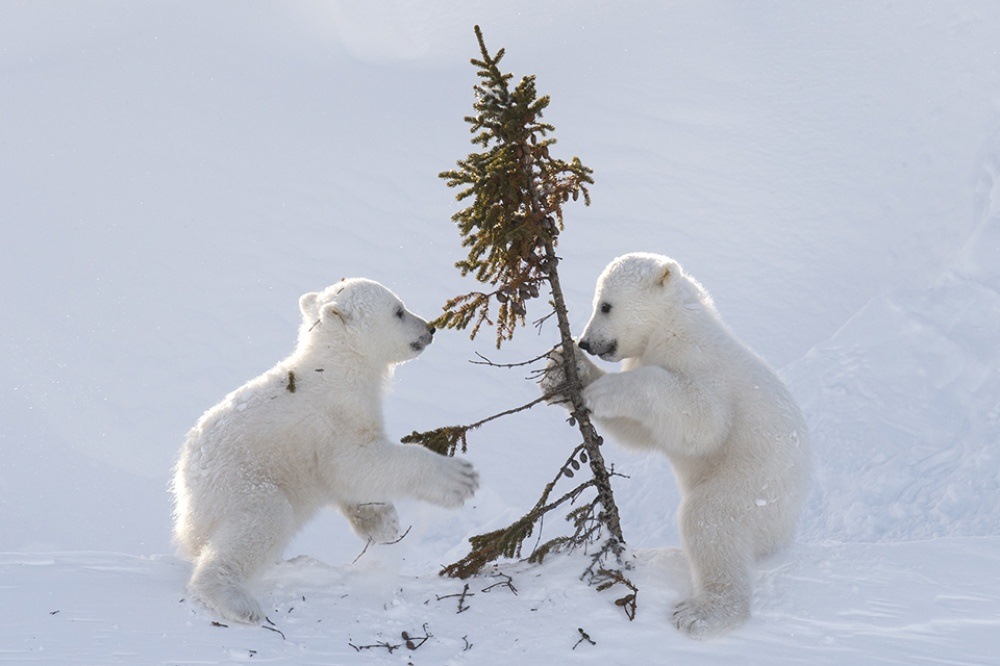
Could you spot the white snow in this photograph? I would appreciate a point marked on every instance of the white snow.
(173, 175)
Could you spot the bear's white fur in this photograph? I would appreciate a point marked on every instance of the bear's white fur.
(688, 388)
(306, 434)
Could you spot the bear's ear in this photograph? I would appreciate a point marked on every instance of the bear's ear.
(664, 275)
(308, 305)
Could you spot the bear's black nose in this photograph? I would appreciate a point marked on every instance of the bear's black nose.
(431, 329)
(585, 346)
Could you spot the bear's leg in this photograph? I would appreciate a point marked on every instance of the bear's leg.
(219, 585)
(385, 471)
(239, 548)
(720, 557)
(375, 521)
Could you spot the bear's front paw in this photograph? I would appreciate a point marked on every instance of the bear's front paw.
(456, 482)
(604, 398)
(553, 381)
(375, 521)
(587, 370)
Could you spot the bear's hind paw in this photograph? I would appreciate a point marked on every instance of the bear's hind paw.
(702, 620)
(236, 605)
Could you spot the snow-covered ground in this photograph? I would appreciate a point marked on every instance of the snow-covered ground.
(173, 175)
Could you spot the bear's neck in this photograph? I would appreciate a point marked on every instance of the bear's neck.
(350, 370)
(691, 339)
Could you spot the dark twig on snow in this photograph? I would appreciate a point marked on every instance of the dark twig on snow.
(273, 628)
(462, 596)
(584, 637)
(384, 644)
(414, 642)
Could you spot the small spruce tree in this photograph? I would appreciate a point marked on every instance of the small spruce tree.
(517, 190)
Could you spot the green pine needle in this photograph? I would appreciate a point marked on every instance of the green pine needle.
(517, 190)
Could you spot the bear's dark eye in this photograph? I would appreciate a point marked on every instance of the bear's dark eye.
(399, 313)
(605, 308)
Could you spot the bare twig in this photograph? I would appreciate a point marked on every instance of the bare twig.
(538, 323)
(401, 537)
(515, 410)
(384, 543)
(363, 551)
(509, 583)
(487, 361)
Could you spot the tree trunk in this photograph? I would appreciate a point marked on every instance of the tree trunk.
(591, 439)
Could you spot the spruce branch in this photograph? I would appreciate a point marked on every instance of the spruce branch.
(447, 440)
(508, 541)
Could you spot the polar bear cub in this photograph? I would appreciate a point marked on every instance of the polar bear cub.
(688, 388)
(306, 434)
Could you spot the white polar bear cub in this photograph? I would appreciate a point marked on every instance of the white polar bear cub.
(688, 388)
(305, 434)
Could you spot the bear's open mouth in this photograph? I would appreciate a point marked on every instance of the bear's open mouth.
(422, 342)
(605, 352)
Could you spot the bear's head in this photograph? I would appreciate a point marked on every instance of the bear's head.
(640, 298)
(365, 317)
